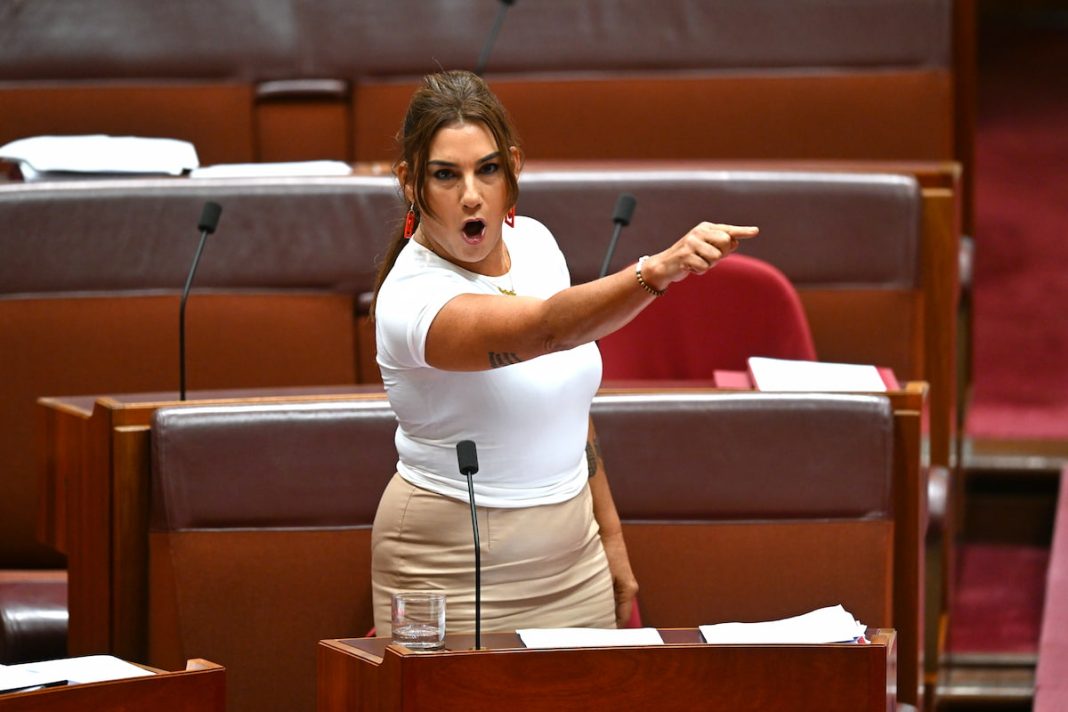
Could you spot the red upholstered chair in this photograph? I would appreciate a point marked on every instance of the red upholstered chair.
(744, 307)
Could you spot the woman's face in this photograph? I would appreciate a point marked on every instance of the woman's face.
(467, 191)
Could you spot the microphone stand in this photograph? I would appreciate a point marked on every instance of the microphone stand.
(491, 39)
(209, 220)
(621, 217)
(467, 457)
(478, 563)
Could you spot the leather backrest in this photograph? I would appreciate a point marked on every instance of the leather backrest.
(819, 229)
(241, 467)
(123, 235)
(747, 456)
(288, 38)
(299, 466)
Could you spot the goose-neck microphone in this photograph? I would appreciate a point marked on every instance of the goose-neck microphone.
(621, 216)
(467, 459)
(209, 220)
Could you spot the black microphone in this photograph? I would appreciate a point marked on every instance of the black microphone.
(483, 56)
(467, 459)
(621, 217)
(209, 220)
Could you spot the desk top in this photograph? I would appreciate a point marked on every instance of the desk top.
(370, 648)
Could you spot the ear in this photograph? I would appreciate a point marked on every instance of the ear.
(517, 159)
(403, 176)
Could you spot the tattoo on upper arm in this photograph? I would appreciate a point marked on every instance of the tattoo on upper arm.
(593, 454)
(497, 360)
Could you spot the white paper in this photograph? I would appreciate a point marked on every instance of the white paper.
(14, 678)
(91, 668)
(39, 156)
(832, 624)
(773, 374)
(588, 637)
(273, 170)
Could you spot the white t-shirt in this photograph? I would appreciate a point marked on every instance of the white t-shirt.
(528, 420)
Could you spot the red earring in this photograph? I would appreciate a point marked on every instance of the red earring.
(509, 219)
(409, 222)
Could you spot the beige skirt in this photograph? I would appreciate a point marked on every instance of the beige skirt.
(542, 567)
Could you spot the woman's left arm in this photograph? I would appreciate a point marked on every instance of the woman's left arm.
(604, 511)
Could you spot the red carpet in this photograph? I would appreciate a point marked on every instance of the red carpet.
(1020, 337)
(1021, 272)
(997, 606)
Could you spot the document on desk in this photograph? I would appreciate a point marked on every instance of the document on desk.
(773, 374)
(48, 157)
(91, 668)
(588, 637)
(273, 170)
(832, 624)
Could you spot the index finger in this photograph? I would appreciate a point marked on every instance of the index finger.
(742, 232)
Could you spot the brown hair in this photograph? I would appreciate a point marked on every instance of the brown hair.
(446, 98)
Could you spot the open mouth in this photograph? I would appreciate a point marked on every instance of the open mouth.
(474, 228)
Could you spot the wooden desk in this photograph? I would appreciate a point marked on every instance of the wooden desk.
(201, 687)
(369, 674)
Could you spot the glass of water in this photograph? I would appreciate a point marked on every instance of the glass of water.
(419, 619)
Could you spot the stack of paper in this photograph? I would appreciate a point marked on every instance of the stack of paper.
(50, 157)
(288, 169)
(825, 625)
(588, 637)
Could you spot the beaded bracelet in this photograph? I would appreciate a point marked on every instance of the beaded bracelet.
(641, 280)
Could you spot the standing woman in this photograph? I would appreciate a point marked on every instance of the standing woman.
(481, 337)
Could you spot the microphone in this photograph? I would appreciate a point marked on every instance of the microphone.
(209, 220)
(467, 459)
(483, 56)
(621, 217)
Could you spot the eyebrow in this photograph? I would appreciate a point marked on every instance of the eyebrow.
(484, 159)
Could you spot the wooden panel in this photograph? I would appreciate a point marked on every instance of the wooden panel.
(303, 130)
(365, 674)
(51, 346)
(856, 325)
(699, 573)
(886, 116)
(131, 504)
(199, 688)
(215, 117)
(258, 601)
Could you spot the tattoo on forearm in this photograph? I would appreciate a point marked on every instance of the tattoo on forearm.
(497, 360)
(593, 454)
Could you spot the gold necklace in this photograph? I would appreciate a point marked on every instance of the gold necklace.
(508, 272)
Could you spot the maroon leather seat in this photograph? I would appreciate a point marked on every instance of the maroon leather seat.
(745, 307)
(33, 616)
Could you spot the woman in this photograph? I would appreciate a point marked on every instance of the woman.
(481, 337)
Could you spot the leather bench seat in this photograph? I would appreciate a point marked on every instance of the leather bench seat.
(33, 616)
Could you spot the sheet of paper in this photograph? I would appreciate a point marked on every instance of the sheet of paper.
(832, 624)
(100, 154)
(91, 668)
(772, 374)
(588, 637)
(273, 170)
(13, 678)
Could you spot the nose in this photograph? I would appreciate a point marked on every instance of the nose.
(472, 198)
